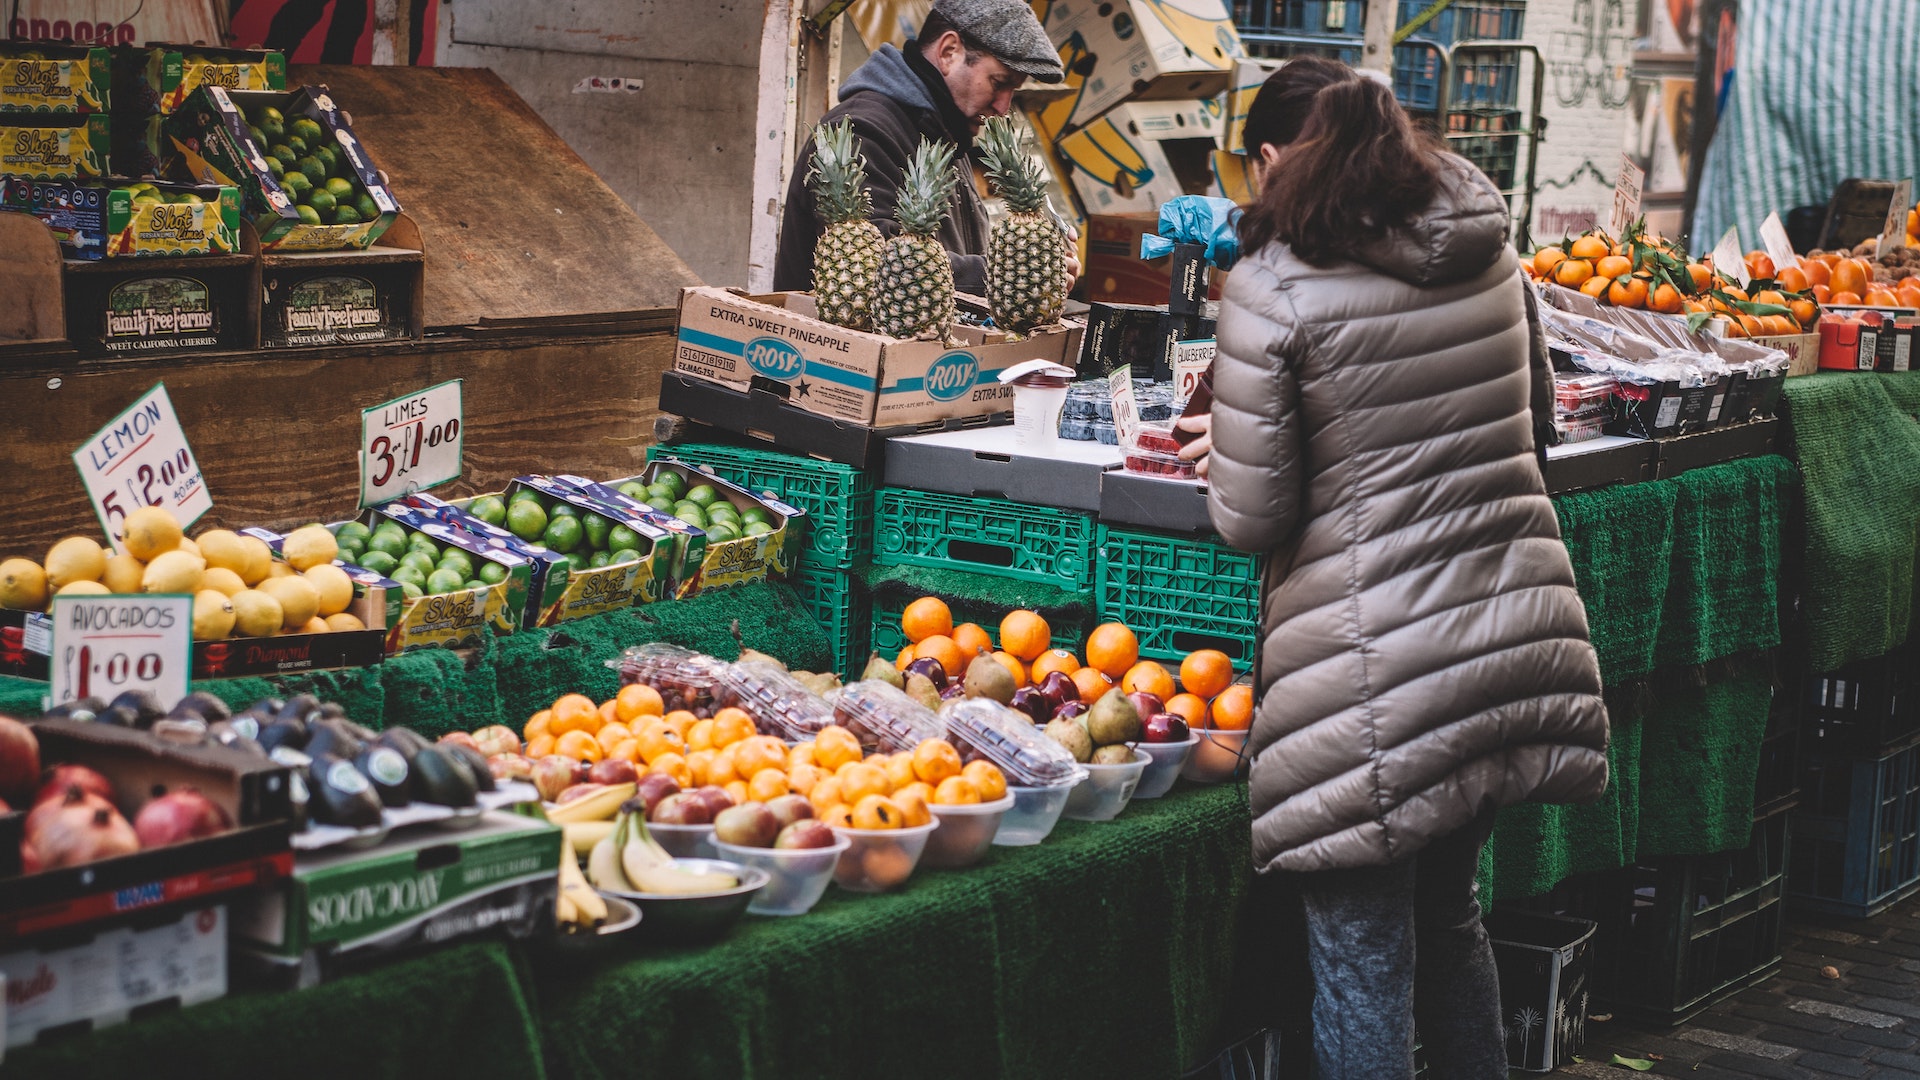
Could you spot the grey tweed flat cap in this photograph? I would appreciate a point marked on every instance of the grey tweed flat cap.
(1008, 30)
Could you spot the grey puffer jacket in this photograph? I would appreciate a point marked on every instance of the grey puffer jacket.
(1423, 655)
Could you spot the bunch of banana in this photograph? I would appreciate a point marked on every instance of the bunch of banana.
(631, 860)
(597, 805)
(577, 908)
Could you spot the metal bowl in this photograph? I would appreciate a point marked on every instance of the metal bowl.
(622, 916)
(699, 916)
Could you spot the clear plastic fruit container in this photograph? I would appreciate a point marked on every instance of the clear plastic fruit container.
(878, 860)
(1219, 755)
(684, 678)
(980, 728)
(1150, 463)
(685, 841)
(777, 702)
(885, 719)
(1574, 393)
(964, 832)
(1035, 811)
(1107, 790)
(796, 877)
(1164, 769)
(1156, 439)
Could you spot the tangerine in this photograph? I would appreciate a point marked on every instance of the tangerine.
(736, 790)
(1573, 273)
(1014, 667)
(918, 789)
(752, 755)
(838, 816)
(826, 793)
(986, 778)
(1841, 299)
(612, 735)
(1851, 276)
(673, 765)
(886, 865)
(934, 760)
(941, 649)
(1770, 296)
(1701, 276)
(1025, 634)
(767, 785)
(1590, 246)
(572, 712)
(956, 791)
(1233, 709)
(914, 808)
(900, 771)
(721, 770)
(1613, 266)
(926, 617)
(1547, 258)
(1596, 287)
(1091, 683)
(971, 638)
(1822, 293)
(626, 750)
(1879, 296)
(1793, 279)
(905, 657)
(637, 699)
(539, 746)
(700, 735)
(1806, 311)
(861, 780)
(656, 738)
(1189, 707)
(801, 754)
(1817, 272)
(1909, 295)
(607, 714)
(802, 777)
(878, 812)
(536, 725)
(1759, 266)
(1148, 677)
(578, 745)
(1628, 292)
(1111, 650)
(1053, 660)
(730, 725)
(1206, 672)
(834, 746)
(1665, 299)
(700, 765)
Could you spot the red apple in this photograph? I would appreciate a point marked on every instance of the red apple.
(653, 788)
(715, 797)
(1058, 688)
(463, 738)
(497, 739)
(1146, 704)
(552, 775)
(788, 809)
(685, 808)
(613, 771)
(1070, 710)
(179, 815)
(62, 777)
(807, 833)
(750, 824)
(510, 767)
(1166, 728)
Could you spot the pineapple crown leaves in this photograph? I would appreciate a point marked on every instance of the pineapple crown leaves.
(926, 189)
(837, 174)
(1016, 177)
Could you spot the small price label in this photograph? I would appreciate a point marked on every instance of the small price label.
(141, 458)
(1126, 417)
(1773, 237)
(1626, 195)
(1727, 258)
(104, 646)
(1191, 360)
(410, 443)
(1894, 235)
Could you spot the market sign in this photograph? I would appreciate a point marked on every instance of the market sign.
(1727, 258)
(1894, 234)
(1773, 237)
(1626, 195)
(410, 443)
(1126, 417)
(104, 646)
(141, 458)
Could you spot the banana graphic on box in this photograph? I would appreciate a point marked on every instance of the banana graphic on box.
(1104, 152)
(1202, 32)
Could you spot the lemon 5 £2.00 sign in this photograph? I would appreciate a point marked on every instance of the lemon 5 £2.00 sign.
(141, 458)
(410, 443)
(104, 646)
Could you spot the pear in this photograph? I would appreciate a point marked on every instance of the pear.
(1117, 754)
(1113, 719)
(878, 668)
(1072, 736)
(921, 689)
(989, 678)
(756, 655)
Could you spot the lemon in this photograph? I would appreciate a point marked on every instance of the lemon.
(255, 614)
(280, 569)
(259, 560)
(344, 621)
(173, 572)
(212, 615)
(123, 574)
(82, 587)
(76, 558)
(298, 599)
(315, 625)
(221, 580)
(223, 548)
(191, 547)
(336, 588)
(309, 546)
(151, 531)
(22, 585)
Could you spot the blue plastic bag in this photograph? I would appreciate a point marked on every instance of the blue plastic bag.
(1197, 219)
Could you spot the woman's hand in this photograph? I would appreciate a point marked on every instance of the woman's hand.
(1198, 449)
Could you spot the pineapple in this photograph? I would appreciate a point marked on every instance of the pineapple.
(848, 251)
(1026, 260)
(913, 293)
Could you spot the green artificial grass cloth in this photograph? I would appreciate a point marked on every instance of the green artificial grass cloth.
(1621, 542)
(1860, 450)
(1107, 950)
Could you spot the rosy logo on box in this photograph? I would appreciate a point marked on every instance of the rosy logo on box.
(952, 376)
(774, 358)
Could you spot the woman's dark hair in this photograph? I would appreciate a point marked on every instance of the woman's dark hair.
(1351, 165)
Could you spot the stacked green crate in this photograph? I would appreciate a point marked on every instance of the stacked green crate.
(1179, 594)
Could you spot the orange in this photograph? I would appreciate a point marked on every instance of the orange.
(700, 735)
(700, 765)
(730, 725)
(579, 746)
(878, 812)
(1189, 707)
(1793, 279)
(919, 789)
(1910, 281)
(841, 772)
(626, 750)
(861, 780)
(1014, 667)
(675, 766)
(934, 760)
(1702, 277)
(956, 791)
(1206, 672)
(767, 785)
(1665, 299)
(1149, 677)
(905, 657)
(926, 617)
(1806, 311)
(1547, 258)
(900, 771)
(1573, 273)
(1817, 272)
(1842, 299)
(1909, 296)
(752, 755)
(1590, 246)
(539, 746)
(607, 714)
(834, 746)
(1628, 292)
(572, 712)
(1770, 296)
(1052, 660)
(1752, 325)
(987, 779)
(1822, 294)
(971, 639)
(722, 770)
(1851, 276)
(1759, 266)
(1613, 266)
(678, 722)
(838, 816)
(800, 755)
(1025, 634)
(736, 790)
(656, 738)
(612, 735)
(825, 793)
(941, 649)
(1112, 649)
(536, 725)
(801, 778)
(1091, 683)
(1880, 296)
(913, 807)
(1233, 709)
(1735, 292)
(1596, 287)
(637, 699)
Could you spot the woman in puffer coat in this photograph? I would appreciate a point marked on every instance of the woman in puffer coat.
(1424, 657)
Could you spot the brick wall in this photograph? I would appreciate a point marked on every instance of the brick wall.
(1586, 56)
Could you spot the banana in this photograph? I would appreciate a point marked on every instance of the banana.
(563, 910)
(651, 869)
(603, 866)
(599, 806)
(588, 907)
(582, 836)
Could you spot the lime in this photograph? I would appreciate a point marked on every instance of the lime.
(352, 530)
(445, 581)
(755, 513)
(457, 560)
(563, 534)
(492, 573)
(723, 512)
(344, 214)
(691, 515)
(314, 170)
(421, 542)
(620, 537)
(663, 495)
(562, 509)
(259, 137)
(277, 167)
(598, 560)
(364, 203)
(597, 528)
(702, 494)
(389, 544)
(306, 128)
(411, 591)
(757, 528)
(671, 479)
(622, 555)
(283, 153)
(336, 165)
(475, 584)
(297, 144)
(420, 561)
(380, 562)
(272, 122)
(296, 184)
(634, 489)
(308, 215)
(525, 519)
(342, 188)
(409, 575)
(520, 494)
(391, 527)
(721, 532)
(322, 200)
(488, 508)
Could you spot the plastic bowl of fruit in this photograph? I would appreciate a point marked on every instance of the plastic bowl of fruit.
(678, 917)
(1107, 789)
(1168, 758)
(963, 832)
(877, 860)
(1035, 811)
(1219, 755)
(578, 940)
(685, 841)
(797, 877)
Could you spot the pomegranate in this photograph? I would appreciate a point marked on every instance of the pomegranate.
(62, 777)
(78, 828)
(179, 815)
(19, 760)
(29, 859)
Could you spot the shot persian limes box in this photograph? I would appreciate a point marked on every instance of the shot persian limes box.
(56, 146)
(448, 612)
(547, 570)
(42, 77)
(151, 81)
(93, 220)
(306, 179)
(688, 543)
(760, 538)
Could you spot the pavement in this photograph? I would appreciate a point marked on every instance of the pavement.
(1859, 1017)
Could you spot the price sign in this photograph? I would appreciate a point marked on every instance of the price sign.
(1191, 359)
(104, 646)
(1894, 235)
(1727, 258)
(1126, 417)
(141, 458)
(1626, 195)
(410, 443)
(1773, 237)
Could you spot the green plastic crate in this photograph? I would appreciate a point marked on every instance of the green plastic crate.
(1179, 594)
(985, 536)
(841, 608)
(838, 498)
(887, 639)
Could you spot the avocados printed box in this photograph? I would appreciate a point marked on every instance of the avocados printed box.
(456, 619)
(42, 77)
(774, 342)
(54, 147)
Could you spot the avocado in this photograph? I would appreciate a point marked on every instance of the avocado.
(268, 707)
(227, 733)
(203, 705)
(439, 779)
(405, 740)
(277, 733)
(118, 716)
(302, 706)
(341, 794)
(144, 706)
(332, 737)
(85, 710)
(388, 771)
(475, 763)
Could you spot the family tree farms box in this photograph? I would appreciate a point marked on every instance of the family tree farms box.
(774, 343)
(104, 978)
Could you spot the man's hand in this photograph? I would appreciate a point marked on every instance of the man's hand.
(1073, 264)
(1197, 450)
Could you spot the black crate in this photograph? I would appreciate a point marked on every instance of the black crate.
(1857, 837)
(1545, 962)
(1776, 783)
(1866, 708)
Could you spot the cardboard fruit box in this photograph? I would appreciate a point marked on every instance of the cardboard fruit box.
(735, 562)
(548, 570)
(101, 219)
(76, 983)
(61, 146)
(211, 138)
(43, 77)
(376, 603)
(156, 78)
(774, 342)
(456, 619)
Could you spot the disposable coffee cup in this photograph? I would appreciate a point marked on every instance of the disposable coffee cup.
(1039, 393)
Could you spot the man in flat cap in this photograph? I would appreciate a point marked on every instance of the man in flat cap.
(964, 67)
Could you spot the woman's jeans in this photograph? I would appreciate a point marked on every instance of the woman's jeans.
(1394, 945)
